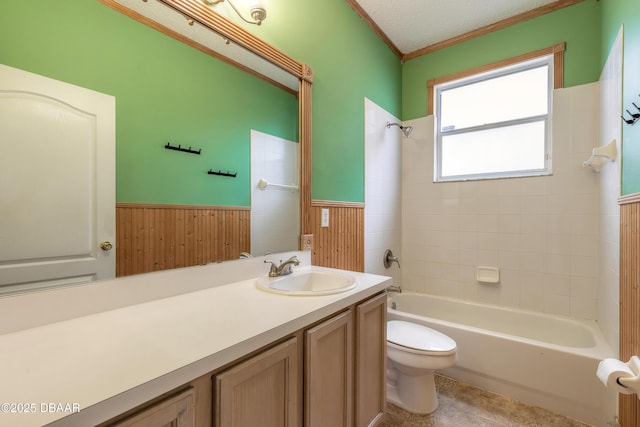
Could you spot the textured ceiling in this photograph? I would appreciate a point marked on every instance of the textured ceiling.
(414, 24)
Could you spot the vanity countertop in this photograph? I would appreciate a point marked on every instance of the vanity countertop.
(108, 362)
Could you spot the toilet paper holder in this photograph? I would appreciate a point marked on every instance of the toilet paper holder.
(620, 376)
(632, 383)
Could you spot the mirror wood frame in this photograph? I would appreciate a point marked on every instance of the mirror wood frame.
(195, 10)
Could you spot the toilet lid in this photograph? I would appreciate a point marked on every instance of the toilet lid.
(418, 337)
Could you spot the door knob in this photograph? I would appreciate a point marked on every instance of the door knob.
(106, 246)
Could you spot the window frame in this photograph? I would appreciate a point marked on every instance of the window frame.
(555, 57)
(518, 67)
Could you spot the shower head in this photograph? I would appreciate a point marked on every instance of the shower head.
(406, 130)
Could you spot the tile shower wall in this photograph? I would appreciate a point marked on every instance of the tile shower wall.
(541, 232)
(274, 211)
(382, 191)
(608, 192)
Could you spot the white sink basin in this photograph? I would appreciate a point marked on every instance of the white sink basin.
(308, 283)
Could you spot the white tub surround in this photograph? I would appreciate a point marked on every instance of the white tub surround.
(541, 360)
(112, 346)
(382, 190)
(608, 181)
(541, 232)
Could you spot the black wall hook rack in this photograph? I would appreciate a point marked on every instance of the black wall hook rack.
(227, 173)
(180, 148)
(634, 116)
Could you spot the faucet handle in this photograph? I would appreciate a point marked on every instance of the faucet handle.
(274, 269)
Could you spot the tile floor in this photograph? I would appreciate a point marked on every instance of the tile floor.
(464, 405)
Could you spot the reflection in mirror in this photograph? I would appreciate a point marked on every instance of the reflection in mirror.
(161, 15)
(57, 150)
(170, 212)
(274, 194)
(245, 103)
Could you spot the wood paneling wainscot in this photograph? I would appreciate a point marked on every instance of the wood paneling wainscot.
(341, 245)
(160, 237)
(629, 298)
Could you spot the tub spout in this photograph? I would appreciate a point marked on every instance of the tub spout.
(394, 289)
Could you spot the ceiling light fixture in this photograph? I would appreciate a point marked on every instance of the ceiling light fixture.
(257, 11)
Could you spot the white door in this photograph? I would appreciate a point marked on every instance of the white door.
(57, 182)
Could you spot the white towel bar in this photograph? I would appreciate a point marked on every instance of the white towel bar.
(263, 183)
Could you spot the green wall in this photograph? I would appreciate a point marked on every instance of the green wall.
(577, 25)
(348, 58)
(614, 14)
(165, 92)
(350, 62)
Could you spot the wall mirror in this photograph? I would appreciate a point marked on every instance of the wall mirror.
(197, 25)
(114, 59)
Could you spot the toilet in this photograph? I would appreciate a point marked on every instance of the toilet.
(414, 352)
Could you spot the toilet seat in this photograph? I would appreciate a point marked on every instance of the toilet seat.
(419, 339)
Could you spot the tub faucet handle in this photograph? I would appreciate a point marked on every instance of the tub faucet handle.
(389, 258)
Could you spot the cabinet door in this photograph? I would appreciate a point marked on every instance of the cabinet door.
(176, 411)
(328, 383)
(262, 391)
(371, 361)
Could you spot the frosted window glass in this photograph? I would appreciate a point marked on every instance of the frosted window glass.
(512, 148)
(495, 124)
(510, 97)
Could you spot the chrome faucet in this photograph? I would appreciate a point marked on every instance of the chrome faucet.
(284, 268)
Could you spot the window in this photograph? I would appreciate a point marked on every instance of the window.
(495, 124)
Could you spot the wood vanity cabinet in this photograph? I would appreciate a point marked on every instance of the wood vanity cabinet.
(174, 411)
(329, 374)
(345, 367)
(328, 368)
(371, 361)
(261, 391)
(344, 376)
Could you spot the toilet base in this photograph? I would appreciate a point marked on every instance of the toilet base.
(416, 394)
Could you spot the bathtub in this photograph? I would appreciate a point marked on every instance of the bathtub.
(542, 360)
